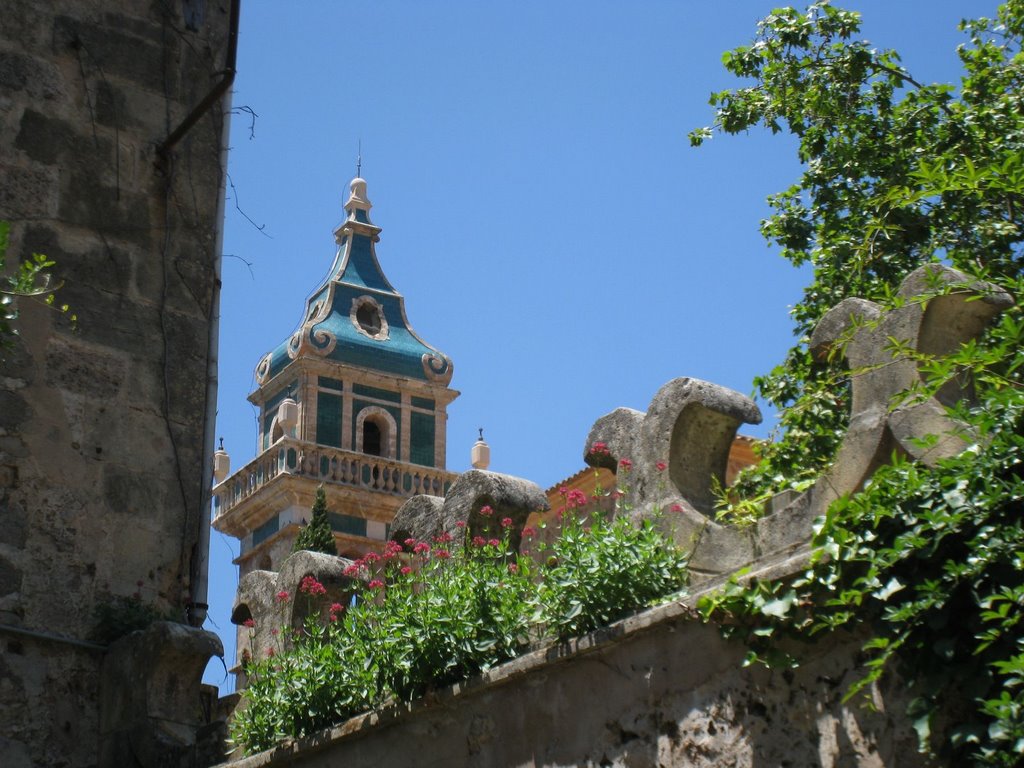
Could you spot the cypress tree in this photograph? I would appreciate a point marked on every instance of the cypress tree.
(317, 536)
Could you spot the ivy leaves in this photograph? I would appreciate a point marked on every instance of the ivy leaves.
(897, 173)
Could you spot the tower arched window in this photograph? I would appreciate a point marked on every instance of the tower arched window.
(372, 438)
(377, 432)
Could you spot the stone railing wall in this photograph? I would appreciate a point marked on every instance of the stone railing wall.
(330, 465)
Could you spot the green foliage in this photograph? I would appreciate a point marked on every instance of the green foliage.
(31, 280)
(603, 572)
(317, 536)
(896, 174)
(439, 612)
(929, 561)
(118, 616)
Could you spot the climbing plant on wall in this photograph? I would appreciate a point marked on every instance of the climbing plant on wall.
(32, 279)
(927, 561)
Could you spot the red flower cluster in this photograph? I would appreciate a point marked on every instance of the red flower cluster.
(392, 549)
(422, 548)
(506, 522)
(249, 623)
(529, 532)
(405, 570)
(513, 568)
(310, 586)
(494, 543)
(677, 507)
(575, 498)
(376, 584)
(599, 447)
(336, 608)
(282, 596)
(479, 541)
(486, 510)
(443, 538)
(442, 554)
(625, 465)
(661, 466)
(460, 524)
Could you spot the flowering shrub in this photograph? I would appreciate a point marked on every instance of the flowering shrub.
(603, 572)
(433, 613)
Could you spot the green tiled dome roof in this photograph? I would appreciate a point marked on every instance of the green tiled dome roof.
(357, 317)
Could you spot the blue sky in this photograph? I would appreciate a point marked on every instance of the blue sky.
(542, 211)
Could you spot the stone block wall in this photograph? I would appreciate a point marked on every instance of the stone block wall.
(102, 427)
(657, 690)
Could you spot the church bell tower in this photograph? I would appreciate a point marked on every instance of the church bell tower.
(353, 400)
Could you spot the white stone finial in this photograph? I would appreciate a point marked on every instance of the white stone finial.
(221, 464)
(357, 199)
(480, 456)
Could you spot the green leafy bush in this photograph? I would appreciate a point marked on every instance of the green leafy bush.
(433, 613)
(589, 586)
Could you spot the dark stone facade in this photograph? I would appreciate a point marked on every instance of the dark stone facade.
(102, 426)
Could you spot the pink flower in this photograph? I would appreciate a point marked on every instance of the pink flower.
(312, 587)
(352, 570)
(486, 510)
(421, 548)
(376, 584)
(442, 554)
(494, 543)
(275, 632)
(410, 542)
(506, 522)
(625, 465)
(443, 538)
(513, 568)
(249, 623)
(575, 498)
(337, 607)
(282, 596)
(563, 490)
(460, 524)
(371, 557)
(529, 532)
(405, 570)
(270, 653)
(661, 466)
(677, 507)
(479, 541)
(599, 447)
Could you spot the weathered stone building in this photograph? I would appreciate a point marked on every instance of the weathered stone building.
(113, 117)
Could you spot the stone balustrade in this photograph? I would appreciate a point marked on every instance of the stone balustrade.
(329, 465)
